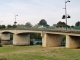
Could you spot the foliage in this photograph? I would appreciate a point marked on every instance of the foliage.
(0, 43)
(28, 25)
(77, 23)
(39, 43)
(14, 26)
(3, 26)
(31, 43)
(11, 36)
(35, 35)
(9, 26)
(0, 26)
(61, 23)
(36, 26)
(20, 26)
(63, 43)
(72, 26)
(43, 23)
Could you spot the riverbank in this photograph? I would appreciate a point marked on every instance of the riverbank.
(11, 52)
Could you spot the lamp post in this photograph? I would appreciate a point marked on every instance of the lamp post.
(66, 13)
(15, 20)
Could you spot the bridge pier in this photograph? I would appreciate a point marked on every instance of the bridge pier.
(23, 39)
(51, 40)
(72, 41)
(5, 38)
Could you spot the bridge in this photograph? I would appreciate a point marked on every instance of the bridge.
(50, 38)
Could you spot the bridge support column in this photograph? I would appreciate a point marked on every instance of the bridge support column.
(5, 38)
(21, 39)
(51, 40)
(72, 41)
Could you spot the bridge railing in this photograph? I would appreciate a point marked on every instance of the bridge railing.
(50, 28)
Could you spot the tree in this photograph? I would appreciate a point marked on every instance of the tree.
(3, 26)
(9, 26)
(14, 26)
(42, 22)
(61, 24)
(0, 26)
(72, 26)
(77, 23)
(20, 26)
(36, 26)
(28, 25)
(35, 36)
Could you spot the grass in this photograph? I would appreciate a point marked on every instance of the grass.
(38, 53)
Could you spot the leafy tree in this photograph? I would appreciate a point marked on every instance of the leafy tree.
(11, 36)
(3, 26)
(77, 23)
(42, 22)
(35, 35)
(20, 26)
(0, 26)
(61, 24)
(14, 26)
(36, 26)
(47, 26)
(72, 26)
(9, 26)
(28, 25)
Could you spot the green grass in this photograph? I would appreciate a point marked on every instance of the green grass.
(38, 53)
(27, 57)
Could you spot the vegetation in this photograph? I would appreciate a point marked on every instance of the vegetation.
(61, 24)
(35, 35)
(11, 36)
(0, 43)
(77, 23)
(43, 23)
(9, 26)
(2, 26)
(38, 53)
(28, 25)
(36, 26)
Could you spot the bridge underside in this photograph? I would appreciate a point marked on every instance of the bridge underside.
(51, 40)
(48, 39)
(72, 41)
(21, 39)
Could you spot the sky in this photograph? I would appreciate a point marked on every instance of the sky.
(34, 10)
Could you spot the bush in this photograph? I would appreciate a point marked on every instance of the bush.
(31, 43)
(39, 43)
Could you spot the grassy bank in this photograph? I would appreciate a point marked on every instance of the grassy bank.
(38, 53)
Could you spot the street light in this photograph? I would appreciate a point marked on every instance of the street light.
(15, 20)
(66, 16)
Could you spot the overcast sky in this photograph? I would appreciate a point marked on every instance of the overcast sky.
(35, 10)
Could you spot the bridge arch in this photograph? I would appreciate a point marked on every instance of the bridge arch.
(48, 35)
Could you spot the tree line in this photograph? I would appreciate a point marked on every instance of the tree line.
(42, 24)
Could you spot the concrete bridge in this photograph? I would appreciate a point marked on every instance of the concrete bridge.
(50, 38)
